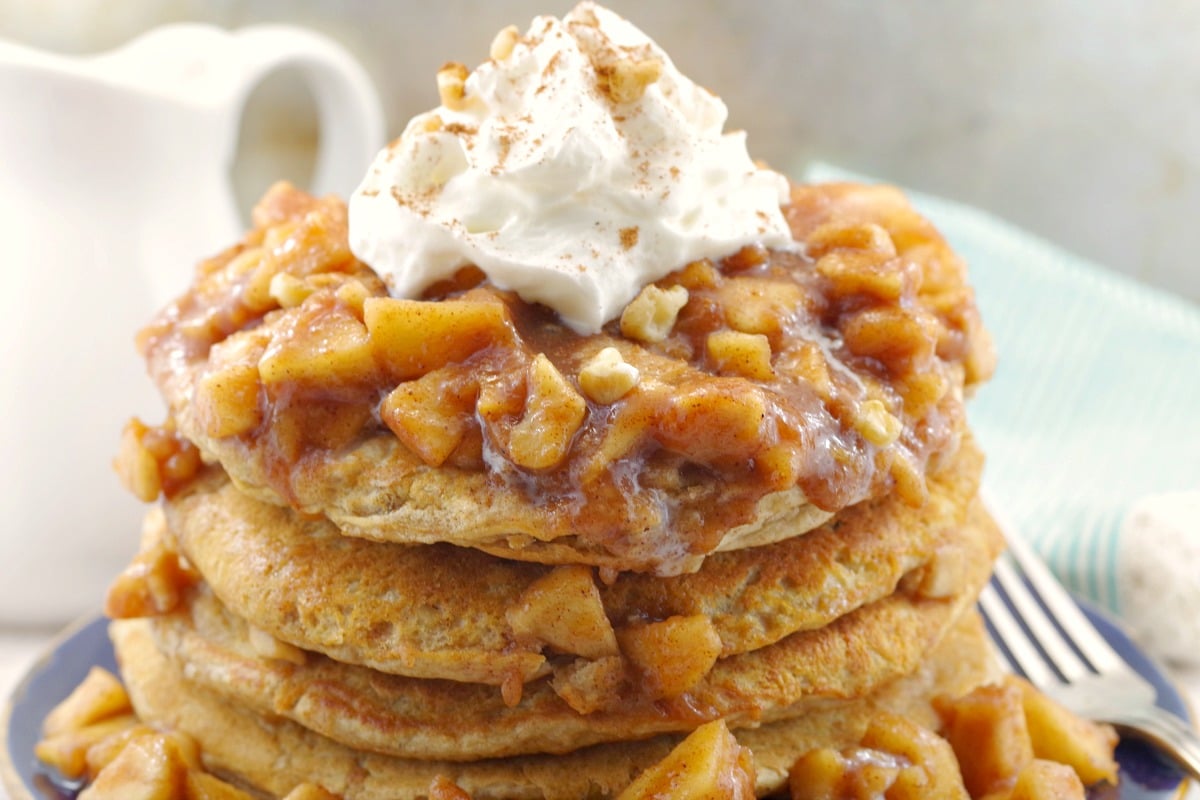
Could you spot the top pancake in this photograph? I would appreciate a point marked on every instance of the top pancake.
(439, 611)
(791, 385)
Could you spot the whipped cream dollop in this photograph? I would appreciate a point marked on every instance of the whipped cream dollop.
(574, 167)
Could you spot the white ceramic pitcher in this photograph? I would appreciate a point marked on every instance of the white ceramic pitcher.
(114, 181)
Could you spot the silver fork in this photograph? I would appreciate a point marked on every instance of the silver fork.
(1063, 654)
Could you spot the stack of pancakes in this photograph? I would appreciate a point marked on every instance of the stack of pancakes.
(317, 601)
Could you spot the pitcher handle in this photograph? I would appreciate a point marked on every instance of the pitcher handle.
(351, 118)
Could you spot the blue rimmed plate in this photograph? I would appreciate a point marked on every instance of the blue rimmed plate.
(1144, 776)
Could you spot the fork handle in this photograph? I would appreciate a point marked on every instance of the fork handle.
(1167, 732)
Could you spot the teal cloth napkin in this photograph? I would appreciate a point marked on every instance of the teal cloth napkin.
(1092, 421)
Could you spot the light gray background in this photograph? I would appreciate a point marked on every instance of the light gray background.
(1077, 120)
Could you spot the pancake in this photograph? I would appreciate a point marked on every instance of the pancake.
(475, 433)
(417, 718)
(274, 754)
(439, 611)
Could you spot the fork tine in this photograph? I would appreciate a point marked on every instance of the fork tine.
(1044, 631)
(1064, 609)
(1014, 638)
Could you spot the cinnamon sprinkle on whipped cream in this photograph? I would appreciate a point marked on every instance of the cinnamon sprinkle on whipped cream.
(574, 167)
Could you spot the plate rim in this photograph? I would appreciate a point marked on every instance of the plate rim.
(14, 783)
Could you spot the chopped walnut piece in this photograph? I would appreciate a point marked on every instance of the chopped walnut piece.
(673, 655)
(606, 377)
(737, 353)
(651, 315)
(502, 46)
(626, 80)
(554, 412)
(709, 763)
(876, 424)
(451, 84)
(564, 610)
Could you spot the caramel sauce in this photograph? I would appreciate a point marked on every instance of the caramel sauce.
(874, 308)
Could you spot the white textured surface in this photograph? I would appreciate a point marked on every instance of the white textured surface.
(1157, 564)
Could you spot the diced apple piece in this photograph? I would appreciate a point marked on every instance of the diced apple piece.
(672, 655)
(105, 751)
(587, 686)
(819, 774)
(153, 584)
(431, 414)
(413, 337)
(227, 400)
(441, 788)
(760, 307)
(554, 412)
(712, 422)
(148, 768)
(329, 347)
(203, 786)
(1047, 780)
(989, 735)
(932, 771)
(737, 353)
(99, 696)
(67, 750)
(894, 336)
(564, 610)
(896, 758)
(1058, 735)
(708, 765)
